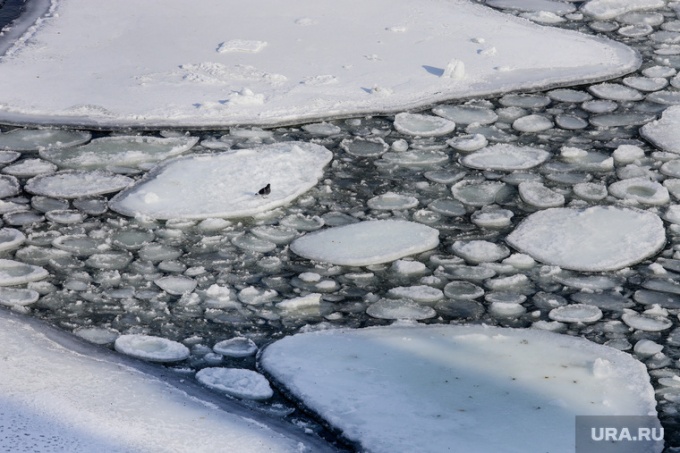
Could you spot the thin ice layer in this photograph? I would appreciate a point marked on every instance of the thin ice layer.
(599, 238)
(267, 62)
(476, 388)
(58, 396)
(364, 243)
(225, 184)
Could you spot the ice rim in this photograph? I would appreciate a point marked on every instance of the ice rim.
(26, 25)
(192, 388)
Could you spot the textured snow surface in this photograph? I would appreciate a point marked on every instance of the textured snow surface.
(266, 62)
(225, 184)
(598, 238)
(457, 388)
(364, 243)
(54, 399)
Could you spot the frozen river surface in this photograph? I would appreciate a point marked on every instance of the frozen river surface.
(548, 215)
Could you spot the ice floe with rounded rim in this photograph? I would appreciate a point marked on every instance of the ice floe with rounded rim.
(539, 196)
(582, 239)
(641, 190)
(119, 151)
(506, 370)
(466, 114)
(609, 9)
(77, 184)
(151, 348)
(575, 313)
(17, 273)
(423, 125)
(664, 133)
(225, 184)
(392, 201)
(11, 238)
(37, 139)
(236, 347)
(238, 382)
(400, 309)
(176, 284)
(368, 242)
(18, 296)
(505, 157)
(478, 251)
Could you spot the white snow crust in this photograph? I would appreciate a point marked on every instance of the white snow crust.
(55, 399)
(595, 239)
(369, 242)
(225, 184)
(457, 388)
(266, 62)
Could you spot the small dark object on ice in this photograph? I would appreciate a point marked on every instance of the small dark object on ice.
(266, 190)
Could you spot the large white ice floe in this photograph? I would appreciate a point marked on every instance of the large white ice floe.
(119, 151)
(268, 62)
(369, 242)
(665, 132)
(225, 184)
(58, 394)
(457, 388)
(598, 238)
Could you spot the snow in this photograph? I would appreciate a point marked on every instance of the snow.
(119, 151)
(582, 239)
(225, 184)
(506, 158)
(63, 395)
(236, 382)
(147, 347)
(426, 388)
(268, 63)
(368, 242)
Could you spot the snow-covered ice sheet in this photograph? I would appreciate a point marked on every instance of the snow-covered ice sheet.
(216, 63)
(60, 395)
(225, 184)
(599, 238)
(458, 388)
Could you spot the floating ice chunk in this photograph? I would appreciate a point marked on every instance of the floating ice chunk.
(236, 382)
(492, 218)
(506, 309)
(176, 284)
(9, 186)
(543, 17)
(642, 190)
(97, 335)
(463, 290)
(11, 238)
(236, 347)
(532, 123)
(665, 133)
(419, 293)
(109, 260)
(647, 348)
(153, 349)
(576, 313)
(225, 184)
(475, 193)
(524, 101)
(275, 234)
(570, 122)
(30, 167)
(466, 114)
(556, 7)
(36, 139)
(628, 154)
(539, 196)
(365, 147)
(608, 9)
(416, 158)
(253, 243)
(646, 83)
(498, 371)
(477, 251)
(65, 216)
(77, 184)
(300, 222)
(392, 201)
(506, 158)
(369, 242)
(400, 309)
(468, 142)
(18, 296)
(322, 129)
(300, 303)
(646, 322)
(408, 268)
(584, 240)
(16, 273)
(621, 119)
(599, 106)
(241, 45)
(119, 151)
(423, 125)
(615, 92)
